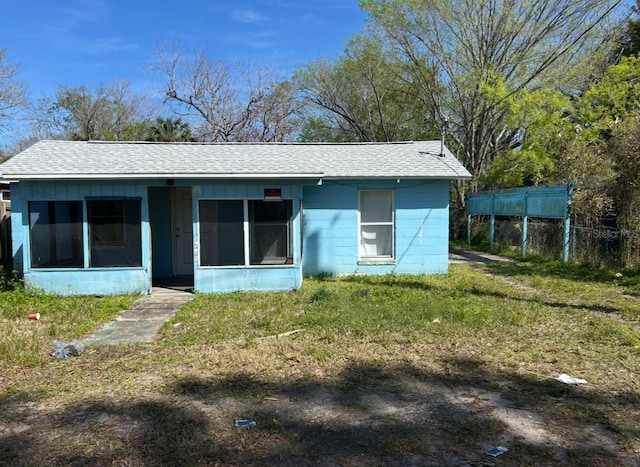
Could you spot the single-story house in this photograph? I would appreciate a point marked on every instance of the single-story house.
(105, 218)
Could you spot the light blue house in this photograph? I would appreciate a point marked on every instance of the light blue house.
(116, 218)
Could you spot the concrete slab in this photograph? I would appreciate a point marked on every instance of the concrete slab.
(141, 321)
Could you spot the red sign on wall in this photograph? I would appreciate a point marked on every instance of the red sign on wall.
(273, 194)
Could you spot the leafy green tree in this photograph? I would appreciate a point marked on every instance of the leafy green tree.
(363, 96)
(543, 131)
(467, 58)
(79, 113)
(611, 100)
(625, 189)
(169, 130)
(318, 129)
(630, 36)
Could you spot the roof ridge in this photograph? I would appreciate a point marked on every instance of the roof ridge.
(249, 143)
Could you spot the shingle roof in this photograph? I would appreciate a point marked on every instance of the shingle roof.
(97, 160)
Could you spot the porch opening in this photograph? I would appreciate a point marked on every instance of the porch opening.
(171, 220)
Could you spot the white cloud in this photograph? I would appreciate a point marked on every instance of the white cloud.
(80, 12)
(248, 16)
(106, 45)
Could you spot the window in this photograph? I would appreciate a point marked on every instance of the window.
(253, 232)
(270, 232)
(106, 223)
(114, 233)
(221, 233)
(376, 224)
(55, 230)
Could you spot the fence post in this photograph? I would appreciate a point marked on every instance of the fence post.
(525, 224)
(492, 234)
(567, 225)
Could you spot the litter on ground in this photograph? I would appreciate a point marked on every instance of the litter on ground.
(567, 379)
(61, 350)
(497, 451)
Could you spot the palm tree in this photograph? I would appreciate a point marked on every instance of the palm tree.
(170, 130)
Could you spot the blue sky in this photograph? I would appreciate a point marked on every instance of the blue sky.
(94, 42)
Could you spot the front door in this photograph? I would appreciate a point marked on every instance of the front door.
(182, 231)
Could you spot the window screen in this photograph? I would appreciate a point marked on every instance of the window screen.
(270, 227)
(55, 230)
(221, 233)
(114, 233)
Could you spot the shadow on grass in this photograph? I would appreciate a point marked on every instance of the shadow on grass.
(368, 415)
(555, 269)
(409, 282)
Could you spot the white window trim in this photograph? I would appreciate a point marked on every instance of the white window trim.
(245, 233)
(377, 260)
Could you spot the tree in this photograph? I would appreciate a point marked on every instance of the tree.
(78, 113)
(12, 93)
(625, 190)
(169, 130)
(545, 132)
(363, 96)
(227, 103)
(467, 58)
(630, 36)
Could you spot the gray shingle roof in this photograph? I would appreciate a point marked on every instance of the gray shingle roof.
(96, 160)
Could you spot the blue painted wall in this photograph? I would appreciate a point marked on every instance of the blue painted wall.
(215, 279)
(330, 243)
(325, 238)
(82, 281)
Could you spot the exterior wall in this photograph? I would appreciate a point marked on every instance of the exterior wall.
(331, 237)
(325, 238)
(69, 281)
(217, 279)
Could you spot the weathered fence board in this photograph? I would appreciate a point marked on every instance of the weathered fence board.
(551, 202)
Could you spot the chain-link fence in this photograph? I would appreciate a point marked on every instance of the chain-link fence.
(599, 244)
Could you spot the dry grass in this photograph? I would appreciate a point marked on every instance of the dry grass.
(391, 370)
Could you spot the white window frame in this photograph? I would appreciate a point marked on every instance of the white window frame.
(253, 226)
(377, 259)
(248, 236)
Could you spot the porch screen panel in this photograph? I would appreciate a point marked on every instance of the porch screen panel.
(270, 227)
(221, 232)
(114, 233)
(55, 231)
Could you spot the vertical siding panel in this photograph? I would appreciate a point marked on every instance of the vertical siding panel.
(73, 192)
(49, 192)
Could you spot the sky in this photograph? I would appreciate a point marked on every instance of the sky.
(93, 42)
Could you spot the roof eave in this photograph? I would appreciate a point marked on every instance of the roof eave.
(399, 177)
(159, 176)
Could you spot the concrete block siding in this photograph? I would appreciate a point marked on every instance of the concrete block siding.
(330, 227)
(325, 233)
(86, 281)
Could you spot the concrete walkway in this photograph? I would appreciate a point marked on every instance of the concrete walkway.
(141, 322)
(459, 256)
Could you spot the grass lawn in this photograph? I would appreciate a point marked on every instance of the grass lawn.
(393, 370)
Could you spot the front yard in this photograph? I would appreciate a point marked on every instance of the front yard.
(394, 370)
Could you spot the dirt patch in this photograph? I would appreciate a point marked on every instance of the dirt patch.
(368, 415)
